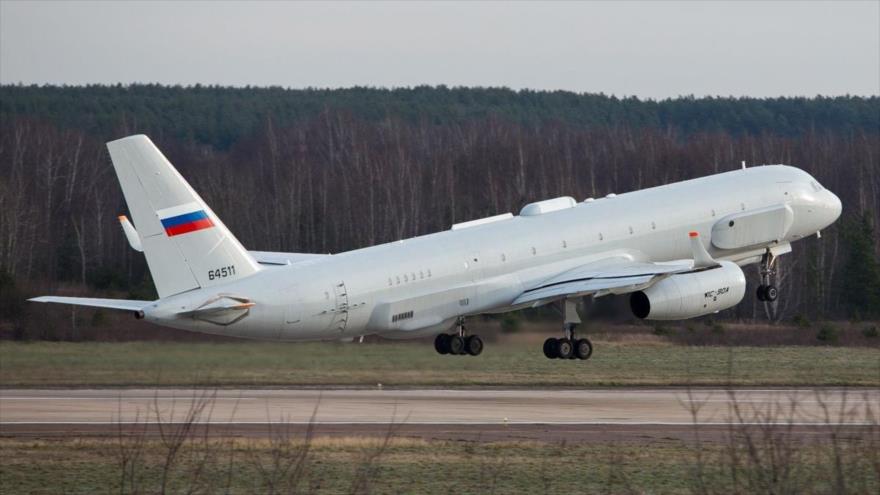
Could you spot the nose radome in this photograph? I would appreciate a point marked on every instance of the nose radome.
(835, 206)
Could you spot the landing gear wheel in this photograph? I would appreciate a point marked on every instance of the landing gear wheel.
(564, 349)
(583, 349)
(441, 343)
(767, 292)
(770, 293)
(550, 348)
(473, 345)
(762, 295)
(456, 345)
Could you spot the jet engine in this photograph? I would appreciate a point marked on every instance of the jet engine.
(688, 295)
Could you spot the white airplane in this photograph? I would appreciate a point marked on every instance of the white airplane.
(675, 249)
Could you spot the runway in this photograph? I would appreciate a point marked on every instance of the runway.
(532, 413)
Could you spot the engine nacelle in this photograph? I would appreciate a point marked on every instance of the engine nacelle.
(689, 295)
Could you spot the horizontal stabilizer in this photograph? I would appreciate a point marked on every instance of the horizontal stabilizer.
(283, 259)
(122, 304)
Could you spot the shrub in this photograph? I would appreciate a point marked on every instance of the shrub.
(870, 332)
(801, 321)
(662, 330)
(828, 334)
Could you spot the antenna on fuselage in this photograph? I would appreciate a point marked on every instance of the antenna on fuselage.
(744, 164)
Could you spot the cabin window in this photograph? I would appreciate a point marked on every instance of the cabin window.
(405, 278)
(564, 244)
(653, 226)
(398, 279)
(630, 229)
(413, 276)
(429, 273)
(421, 274)
(742, 206)
(503, 257)
(390, 282)
(601, 237)
(534, 251)
(713, 212)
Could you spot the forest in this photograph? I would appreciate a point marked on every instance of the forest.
(319, 170)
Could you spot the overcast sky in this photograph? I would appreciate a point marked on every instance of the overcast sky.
(649, 49)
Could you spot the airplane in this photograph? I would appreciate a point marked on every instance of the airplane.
(676, 250)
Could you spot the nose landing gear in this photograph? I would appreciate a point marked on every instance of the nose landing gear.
(767, 292)
(458, 344)
(569, 347)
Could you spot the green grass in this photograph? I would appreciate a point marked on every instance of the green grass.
(44, 364)
(404, 466)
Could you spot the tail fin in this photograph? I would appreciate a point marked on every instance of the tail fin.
(185, 244)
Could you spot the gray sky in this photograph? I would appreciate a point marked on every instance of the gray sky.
(649, 49)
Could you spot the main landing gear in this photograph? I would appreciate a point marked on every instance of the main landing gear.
(459, 343)
(767, 292)
(569, 347)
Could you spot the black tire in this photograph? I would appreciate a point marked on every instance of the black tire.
(771, 293)
(441, 343)
(456, 345)
(564, 349)
(550, 348)
(583, 349)
(473, 345)
(760, 293)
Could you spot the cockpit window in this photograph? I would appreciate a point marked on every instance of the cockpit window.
(816, 186)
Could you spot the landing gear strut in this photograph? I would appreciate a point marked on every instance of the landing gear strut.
(569, 347)
(459, 343)
(767, 292)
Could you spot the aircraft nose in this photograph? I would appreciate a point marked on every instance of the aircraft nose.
(828, 207)
(834, 206)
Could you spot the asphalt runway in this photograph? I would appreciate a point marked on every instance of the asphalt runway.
(489, 414)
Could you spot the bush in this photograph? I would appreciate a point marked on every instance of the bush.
(717, 328)
(828, 334)
(662, 330)
(801, 321)
(870, 332)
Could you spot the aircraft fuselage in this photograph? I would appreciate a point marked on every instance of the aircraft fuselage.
(419, 286)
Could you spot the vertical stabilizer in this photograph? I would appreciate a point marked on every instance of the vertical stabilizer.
(185, 244)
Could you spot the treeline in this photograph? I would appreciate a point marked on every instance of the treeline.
(321, 173)
(221, 116)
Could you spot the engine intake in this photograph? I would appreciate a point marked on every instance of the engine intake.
(689, 295)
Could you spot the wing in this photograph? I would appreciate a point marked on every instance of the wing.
(271, 258)
(614, 275)
(123, 304)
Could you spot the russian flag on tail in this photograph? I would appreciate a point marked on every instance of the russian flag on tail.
(184, 219)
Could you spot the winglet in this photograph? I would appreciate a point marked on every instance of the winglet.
(702, 259)
(133, 239)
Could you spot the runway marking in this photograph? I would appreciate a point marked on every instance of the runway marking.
(130, 398)
(440, 423)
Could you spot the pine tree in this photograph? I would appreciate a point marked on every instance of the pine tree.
(861, 273)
